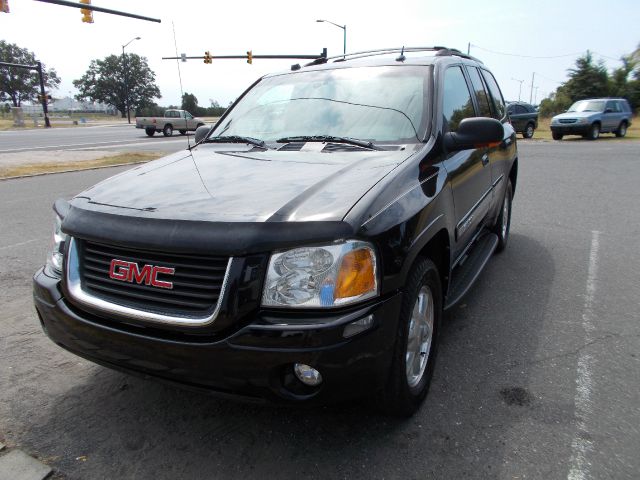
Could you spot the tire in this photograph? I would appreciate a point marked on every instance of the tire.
(622, 130)
(503, 224)
(182, 132)
(167, 131)
(594, 132)
(528, 131)
(557, 136)
(420, 317)
(150, 131)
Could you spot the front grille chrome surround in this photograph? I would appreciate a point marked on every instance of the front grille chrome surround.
(81, 296)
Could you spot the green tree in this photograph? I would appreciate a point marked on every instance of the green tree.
(587, 79)
(104, 82)
(17, 84)
(190, 103)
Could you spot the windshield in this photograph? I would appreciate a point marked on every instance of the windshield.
(378, 104)
(587, 106)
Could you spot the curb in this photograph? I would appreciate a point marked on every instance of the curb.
(72, 170)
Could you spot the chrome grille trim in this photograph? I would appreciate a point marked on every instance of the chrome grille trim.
(74, 287)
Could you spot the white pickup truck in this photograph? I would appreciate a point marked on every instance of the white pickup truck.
(180, 120)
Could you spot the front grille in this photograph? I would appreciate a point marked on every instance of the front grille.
(567, 120)
(197, 280)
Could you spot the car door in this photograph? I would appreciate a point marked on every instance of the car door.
(611, 116)
(469, 170)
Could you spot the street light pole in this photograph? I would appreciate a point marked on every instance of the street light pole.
(344, 35)
(520, 90)
(126, 83)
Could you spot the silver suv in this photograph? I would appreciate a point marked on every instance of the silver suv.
(592, 117)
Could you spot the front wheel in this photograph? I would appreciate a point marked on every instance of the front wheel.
(503, 224)
(557, 136)
(594, 132)
(416, 341)
(150, 131)
(167, 131)
(528, 132)
(622, 130)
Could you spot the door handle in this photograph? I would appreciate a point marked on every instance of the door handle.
(485, 160)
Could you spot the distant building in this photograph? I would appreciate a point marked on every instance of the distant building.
(69, 104)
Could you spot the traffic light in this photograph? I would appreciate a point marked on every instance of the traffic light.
(207, 57)
(4, 6)
(249, 56)
(87, 15)
(47, 98)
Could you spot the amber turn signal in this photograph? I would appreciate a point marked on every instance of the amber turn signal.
(357, 274)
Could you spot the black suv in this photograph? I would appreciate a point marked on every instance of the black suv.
(305, 249)
(524, 118)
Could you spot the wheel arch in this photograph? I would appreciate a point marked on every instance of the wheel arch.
(513, 175)
(437, 249)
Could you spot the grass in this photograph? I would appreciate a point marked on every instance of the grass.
(53, 167)
(543, 132)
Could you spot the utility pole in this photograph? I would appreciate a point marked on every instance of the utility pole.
(43, 96)
(531, 94)
(469, 48)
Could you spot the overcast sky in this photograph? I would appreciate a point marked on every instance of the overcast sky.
(542, 28)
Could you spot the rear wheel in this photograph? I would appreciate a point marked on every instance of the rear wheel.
(557, 136)
(150, 131)
(622, 130)
(416, 341)
(167, 131)
(528, 131)
(594, 132)
(503, 224)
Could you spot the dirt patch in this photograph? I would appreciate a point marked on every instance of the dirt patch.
(516, 396)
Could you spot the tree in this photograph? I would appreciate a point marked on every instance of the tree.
(18, 84)
(190, 103)
(104, 82)
(587, 80)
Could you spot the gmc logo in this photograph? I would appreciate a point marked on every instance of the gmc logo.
(130, 272)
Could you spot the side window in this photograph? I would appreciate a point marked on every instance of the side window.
(612, 106)
(481, 93)
(456, 99)
(496, 94)
(520, 109)
(188, 116)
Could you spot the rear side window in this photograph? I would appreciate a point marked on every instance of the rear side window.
(481, 93)
(496, 94)
(521, 109)
(613, 106)
(456, 99)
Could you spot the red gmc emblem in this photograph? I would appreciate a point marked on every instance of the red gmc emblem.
(130, 272)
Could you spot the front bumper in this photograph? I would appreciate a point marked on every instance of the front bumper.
(571, 128)
(255, 361)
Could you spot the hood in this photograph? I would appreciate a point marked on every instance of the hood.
(575, 115)
(234, 183)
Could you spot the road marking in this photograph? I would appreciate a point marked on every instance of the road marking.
(22, 243)
(582, 445)
(155, 142)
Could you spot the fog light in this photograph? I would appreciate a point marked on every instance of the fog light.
(307, 375)
(358, 326)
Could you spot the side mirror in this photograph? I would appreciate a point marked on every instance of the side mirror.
(202, 132)
(474, 133)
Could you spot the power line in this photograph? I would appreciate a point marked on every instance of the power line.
(542, 57)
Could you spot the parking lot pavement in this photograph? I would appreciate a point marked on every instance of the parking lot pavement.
(538, 371)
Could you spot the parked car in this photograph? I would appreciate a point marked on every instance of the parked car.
(592, 117)
(305, 249)
(180, 120)
(524, 118)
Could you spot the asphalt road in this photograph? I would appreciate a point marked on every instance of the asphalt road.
(116, 137)
(538, 374)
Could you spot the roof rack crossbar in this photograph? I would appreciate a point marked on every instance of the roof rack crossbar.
(384, 51)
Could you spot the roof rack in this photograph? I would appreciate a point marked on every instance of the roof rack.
(440, 52)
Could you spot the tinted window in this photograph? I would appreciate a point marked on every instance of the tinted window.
(613, 106)
(456, 101)
(520, 109)
(481, 93)
(496, 95)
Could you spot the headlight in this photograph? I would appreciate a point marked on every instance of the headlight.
(56, 255)
(317, 277)
(582, 120)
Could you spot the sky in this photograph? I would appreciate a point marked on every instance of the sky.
(507, 36)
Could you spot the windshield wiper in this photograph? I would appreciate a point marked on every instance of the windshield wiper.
(237, 139)
(330, 138)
